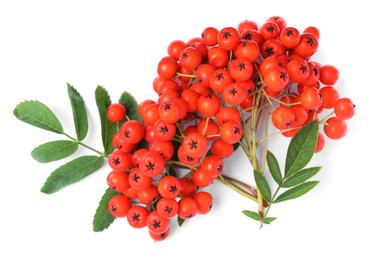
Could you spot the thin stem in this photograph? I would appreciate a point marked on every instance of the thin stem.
(236, 188)
(326, 117)
(185, 75)
(86, 146)
(182, 164)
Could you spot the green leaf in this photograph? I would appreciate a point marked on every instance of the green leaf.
(269, 220)
(131, 105)
(301, 148)
(180, 221)
(72, 172)
(274, 168)
(300, 177)
(37, 114)
(108, 128)
(263, 186)
(252, 214)
(79, 113)
(102, 217)
(53, 151)
(297, 191)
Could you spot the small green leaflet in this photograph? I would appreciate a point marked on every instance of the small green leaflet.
(131, 105)
(252, 214)
(297, 191)
(269, 220)
(39, 115)
(79, 112)
(263, 186)
(300, 177)
(53, 151)
(180, 221)
(301, 148)
(103, 218)
(72, 172)
(274, 168)
(108, 128)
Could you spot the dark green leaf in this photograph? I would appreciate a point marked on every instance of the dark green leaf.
(180, 221)
(263, 186)
(131, 105)
(53, 151)
(269, 220)
(251, 214)
(274, 168)
(301, 148)
(300, 177)
(103, 218)
(37, 114)
(72, 172)
(108, 128)
(297, 191)
(79, 113)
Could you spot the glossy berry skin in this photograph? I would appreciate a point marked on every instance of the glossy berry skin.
(137, 216)
(164, 131)
(276, 78)
(204, 201)
(329, 96)
(289, 37)
(195, 145)
(228, 38)
(119, 205)
(148, 195)
(335, 128)
(221, 148)
(169, 186)
(139, 180)
(311, 98)
(118, 181)
(201, 179)
(344, 108)
(188, 188)
(188, 208)
(156, 223)
(167, 67)
(208, 105)
(116, 112)
(190, 58)
(159, 237)
(152, 164)
(133, 131)
(167, 207)
(328, 74)
(120, 161)
(231, 132)
(307, 45)
(212, 165)
(283, 117)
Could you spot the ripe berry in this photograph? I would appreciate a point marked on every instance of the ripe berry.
(335, 128)
(344, 108)
(116, 112)
(119, 205)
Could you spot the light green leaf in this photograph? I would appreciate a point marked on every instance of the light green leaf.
(301, 148)
(108, 128)
(297, 191)
(252, 214)
(102, 217)
(263, 186)
(37, 114)
(180, 221)
(79, 112)
(269, 220)
(300, 177)
(131, 105)
(53, 151)
(72, 172)
(274, 168)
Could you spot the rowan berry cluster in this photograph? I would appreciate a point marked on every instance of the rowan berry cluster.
(211, 90)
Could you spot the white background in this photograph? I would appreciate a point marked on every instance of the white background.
(44, 44)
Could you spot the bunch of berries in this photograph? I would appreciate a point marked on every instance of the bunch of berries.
(209, 90)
